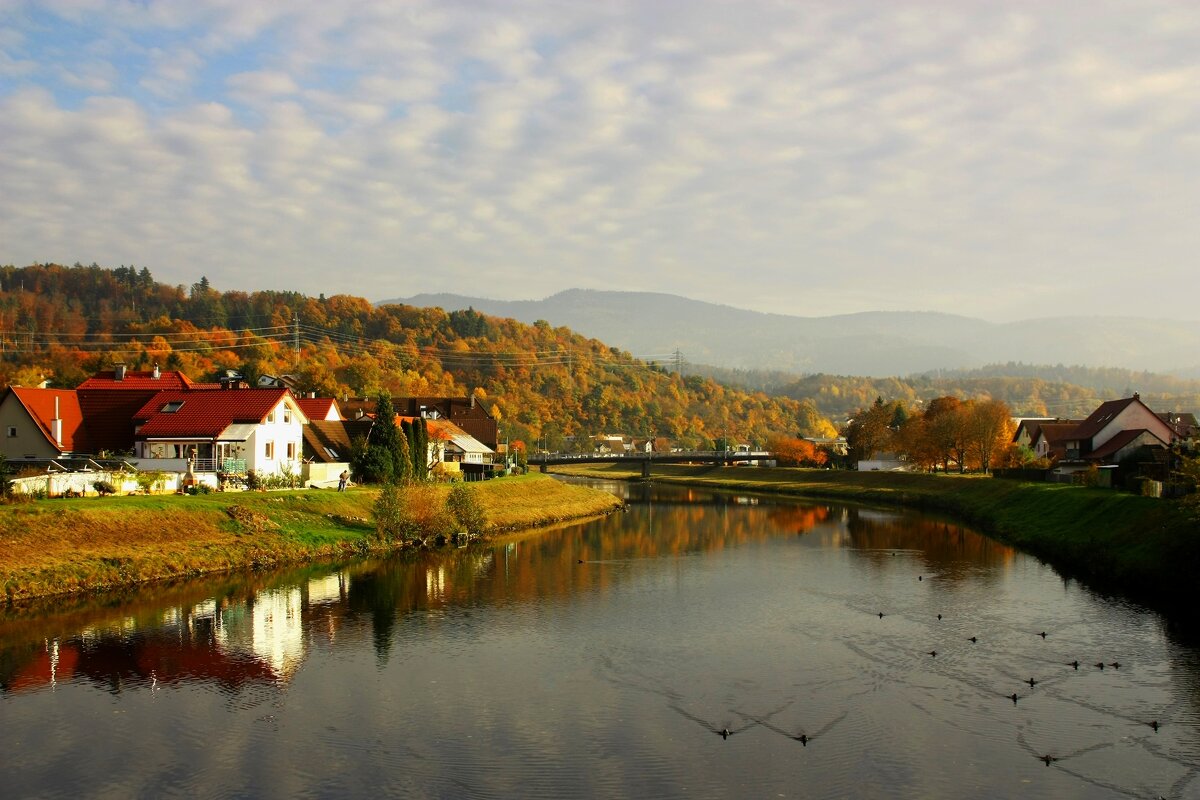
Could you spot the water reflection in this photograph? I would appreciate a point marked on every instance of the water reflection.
(700, 644)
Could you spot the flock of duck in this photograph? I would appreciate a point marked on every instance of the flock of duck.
(1045, 758)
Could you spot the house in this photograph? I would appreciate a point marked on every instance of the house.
(1028, 427)
(611, 443)
(1050, 439)
(41, 424)
(1113, 433)
(1115, 418)
(327, 446)
(108, 401)
(231, 431)
(458, 451)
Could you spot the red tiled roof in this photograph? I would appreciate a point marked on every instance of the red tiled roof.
(39, 404)
(206, 414)
(139, 380)
(316, 408)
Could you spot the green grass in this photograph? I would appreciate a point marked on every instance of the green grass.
(1142, 547)
(74, 545)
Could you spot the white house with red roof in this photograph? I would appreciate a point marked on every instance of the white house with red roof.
(227, 431)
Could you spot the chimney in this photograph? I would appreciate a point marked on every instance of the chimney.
(157, 374)
(119, 372)
(56, 425)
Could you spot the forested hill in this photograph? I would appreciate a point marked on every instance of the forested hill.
(64, 323)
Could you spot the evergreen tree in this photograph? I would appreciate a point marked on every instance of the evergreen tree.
(421, 451)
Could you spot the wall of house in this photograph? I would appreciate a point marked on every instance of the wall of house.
(1132, 417)
(279, 429)
(29, 441)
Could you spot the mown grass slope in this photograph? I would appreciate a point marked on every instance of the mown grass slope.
(71, 545)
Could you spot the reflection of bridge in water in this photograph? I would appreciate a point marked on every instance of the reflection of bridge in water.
(715, 457)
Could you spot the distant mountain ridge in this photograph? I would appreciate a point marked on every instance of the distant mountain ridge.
(874, 343)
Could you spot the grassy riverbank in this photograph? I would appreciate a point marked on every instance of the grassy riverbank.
(1118, 542)
(73, 545)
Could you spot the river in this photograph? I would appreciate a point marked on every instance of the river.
(699, 645)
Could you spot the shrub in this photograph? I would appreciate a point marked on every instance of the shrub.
(150, 482)
(391, 515)
(104, 488)
(411, 512)
(463, 505)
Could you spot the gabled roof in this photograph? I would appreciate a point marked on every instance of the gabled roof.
(206, 414)
(318, 408)
(1119, 441)
(1031, 425)
(446, 430)
(39, 405)
(142, 380)
(1103, 415)
(330, 441)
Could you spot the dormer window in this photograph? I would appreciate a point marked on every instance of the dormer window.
(172, 407)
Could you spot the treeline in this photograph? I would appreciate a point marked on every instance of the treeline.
(1034, 391)
(947, 433)
(547, 385)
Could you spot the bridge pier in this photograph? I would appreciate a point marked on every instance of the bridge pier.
(645, 468)
(542, 468)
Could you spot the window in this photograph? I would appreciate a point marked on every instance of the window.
(12, 431)
(271, 416)
(172, 407)
(287, 414)
(291, 451)
(269, 451)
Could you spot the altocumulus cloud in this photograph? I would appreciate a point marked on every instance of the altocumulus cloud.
(1006, 161)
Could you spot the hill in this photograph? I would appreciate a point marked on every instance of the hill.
(545, 384)
(874, 344)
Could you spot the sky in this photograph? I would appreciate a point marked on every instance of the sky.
(998, 160)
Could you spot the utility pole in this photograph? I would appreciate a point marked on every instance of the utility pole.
(296, 335)
(678, 362)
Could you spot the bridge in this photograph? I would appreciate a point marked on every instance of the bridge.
(719, 457)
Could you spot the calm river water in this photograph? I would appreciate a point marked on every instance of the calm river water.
(706, 646)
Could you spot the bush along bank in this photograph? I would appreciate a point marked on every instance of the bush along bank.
(75, 545)
(1143, 548)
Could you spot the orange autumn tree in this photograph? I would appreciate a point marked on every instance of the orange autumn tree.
(793, 452)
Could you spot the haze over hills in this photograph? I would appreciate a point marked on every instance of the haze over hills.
(870, 344)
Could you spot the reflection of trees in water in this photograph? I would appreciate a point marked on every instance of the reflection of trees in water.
(949, 550)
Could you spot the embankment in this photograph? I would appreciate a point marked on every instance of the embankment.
(1140, 547)
(75, 545)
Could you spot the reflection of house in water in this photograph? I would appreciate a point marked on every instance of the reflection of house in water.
(233, 643)
(268, 628)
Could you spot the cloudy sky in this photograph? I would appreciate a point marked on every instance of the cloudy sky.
(1000, 160)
